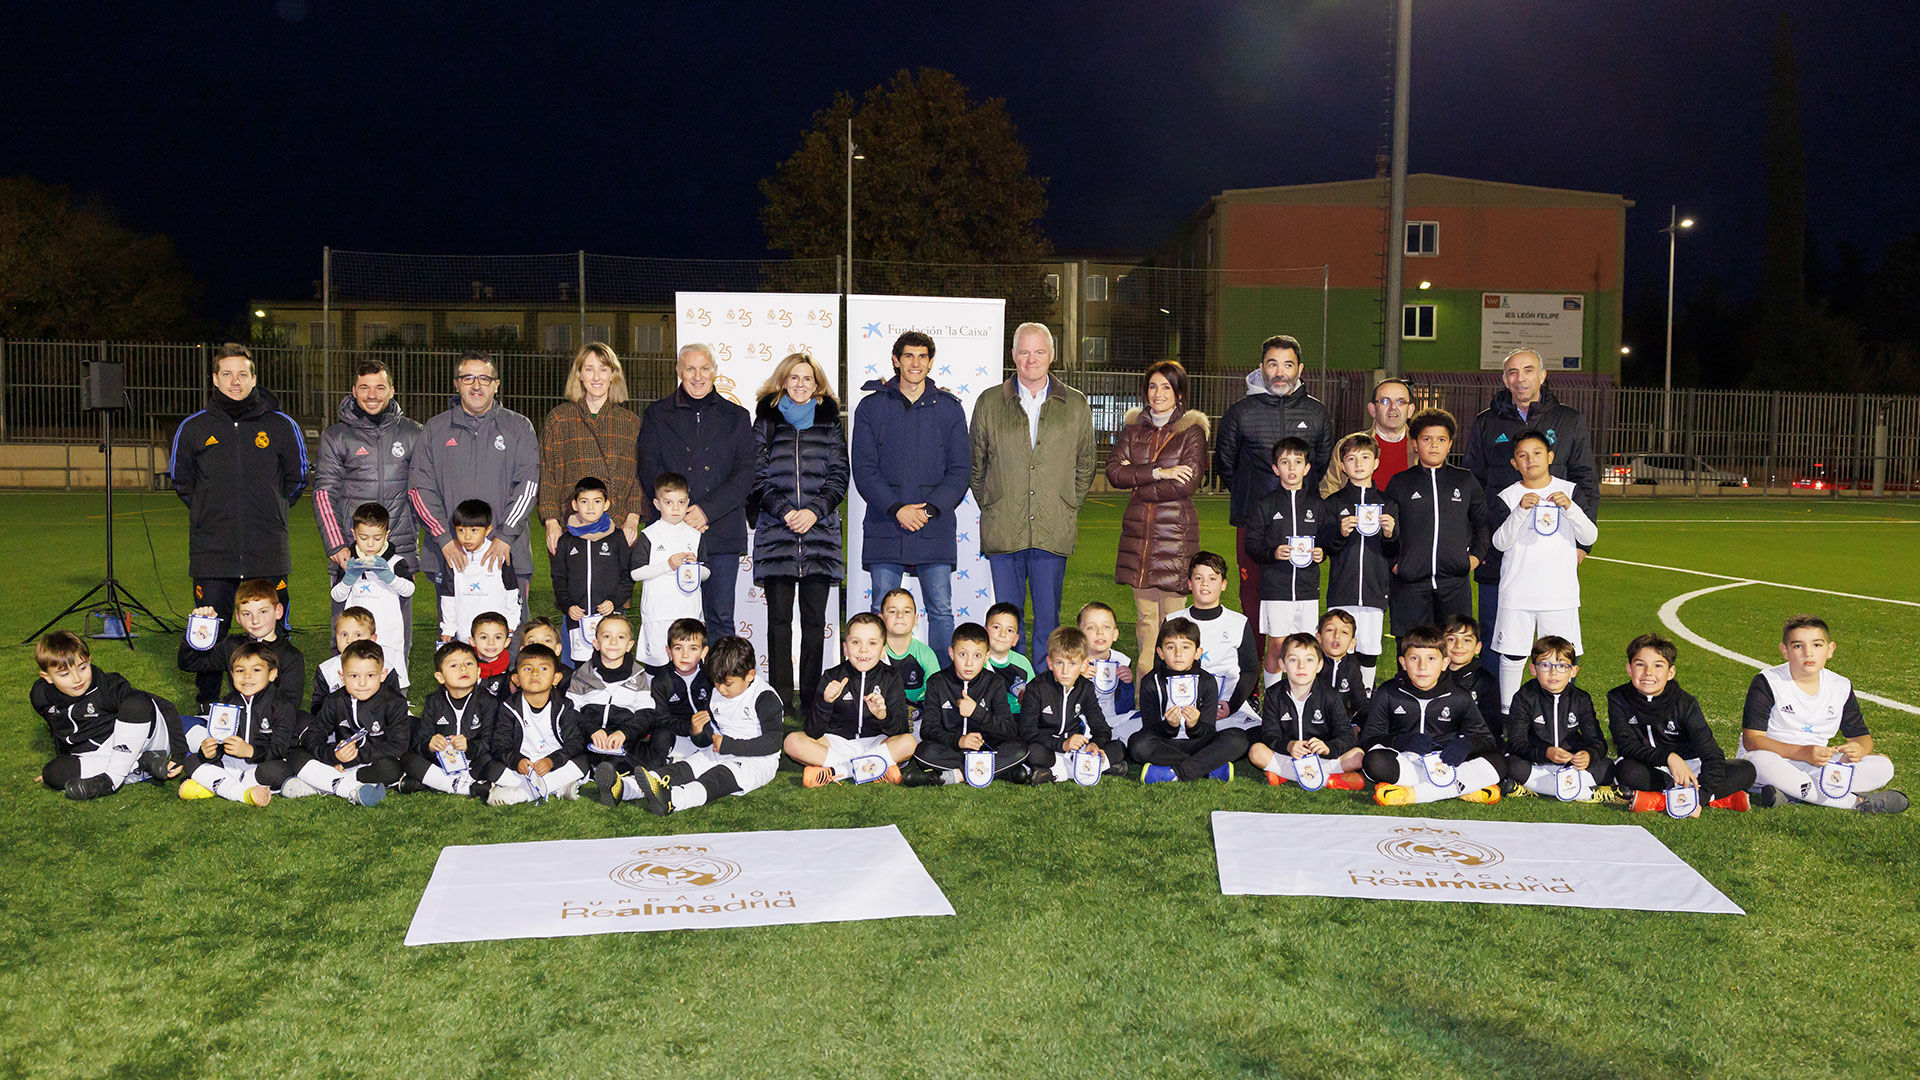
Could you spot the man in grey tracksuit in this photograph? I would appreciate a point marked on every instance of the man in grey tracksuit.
(364, 458)
(477, 449)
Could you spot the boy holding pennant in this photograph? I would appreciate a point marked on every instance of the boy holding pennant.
(378, 581)
(538, 735)
(1284, 538)
(967, 733)
(1178, 739)
(614, 693)
(1112, 669)
(1229, 643)
(670, 562)
(1305, 734)
(105, 733)
(476, 589)
(1540, 562)
(257, 611)
(1793, 713)
(857, 728)
(1066, 734)
(1554, 744)
(1425, 738)
(1668, 757)
(454, 748)
(737, 742)
(356, 740)
(1357, 532)
(241, 748)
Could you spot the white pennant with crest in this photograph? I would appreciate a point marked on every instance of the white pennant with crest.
(979, 771)
(1571, 784)
(1439, 773)
(1087, 766)
(1300, 550)
(1836, 778)
(1546, 518)
(687, 576)
(203, 632)
(1310, 771)
(867, 768)
(1369, 519)
(1682, 801)
(223, 722)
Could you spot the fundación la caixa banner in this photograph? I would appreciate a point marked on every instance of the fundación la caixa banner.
(1551, 324)
(969, 355)
(750, 333)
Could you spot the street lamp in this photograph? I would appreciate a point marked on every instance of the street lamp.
(1675, 223)
(853, 155)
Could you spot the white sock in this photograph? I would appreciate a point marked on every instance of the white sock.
(320, 776)
(564, 775)
(1476, 774)
(687, 796)
(1512, 669)
(1367, 674)
(217, 779)
(952, 776)
(439, 779)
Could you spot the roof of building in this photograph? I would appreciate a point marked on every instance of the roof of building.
(1425, 189)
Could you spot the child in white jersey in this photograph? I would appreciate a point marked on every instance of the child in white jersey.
(670, 562)
(1794, 710)
(1539, 570)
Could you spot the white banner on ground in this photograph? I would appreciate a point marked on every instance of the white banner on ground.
(968, 357)
(569, 888)
(750, 333)
(1480, 862)
(1551, 324)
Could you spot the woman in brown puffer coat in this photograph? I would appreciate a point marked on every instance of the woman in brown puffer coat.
(1160, 454)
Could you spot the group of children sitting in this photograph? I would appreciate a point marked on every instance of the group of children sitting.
(666, 718)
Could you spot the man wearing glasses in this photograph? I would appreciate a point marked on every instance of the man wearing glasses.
(1391, 406)
(477, 449)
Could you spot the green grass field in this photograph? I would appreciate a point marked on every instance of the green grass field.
(146, 937)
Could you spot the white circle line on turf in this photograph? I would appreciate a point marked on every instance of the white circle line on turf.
(1760, 521)
(1670, 618)
(1755, 581)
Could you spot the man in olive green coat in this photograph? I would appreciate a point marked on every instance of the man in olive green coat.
(1032, 468)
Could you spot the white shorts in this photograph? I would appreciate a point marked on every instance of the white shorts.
(1369, 627)
(653, 641)
(841, 752)
(1516, 629)
(751, 772)
(1278, 618)
(1125, 727)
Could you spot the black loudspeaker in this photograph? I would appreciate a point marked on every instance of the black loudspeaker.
(105, 385)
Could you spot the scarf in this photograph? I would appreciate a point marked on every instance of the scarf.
(601, 524)
(798, 414)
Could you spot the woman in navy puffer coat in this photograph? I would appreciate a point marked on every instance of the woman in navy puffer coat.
(799, 478)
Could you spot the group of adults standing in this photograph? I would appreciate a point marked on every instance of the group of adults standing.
(1027, 456)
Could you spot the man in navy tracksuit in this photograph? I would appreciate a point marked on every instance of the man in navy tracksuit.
(1443, 529)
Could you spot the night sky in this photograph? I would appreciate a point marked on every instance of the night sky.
(254, 133)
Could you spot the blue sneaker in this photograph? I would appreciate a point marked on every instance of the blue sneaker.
(1223, 773)
(1157, 774)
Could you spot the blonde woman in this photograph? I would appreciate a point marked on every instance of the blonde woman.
(592, 434)
(799, 478)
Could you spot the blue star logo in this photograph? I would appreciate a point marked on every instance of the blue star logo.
(961, 573)
(962, 536)
(981, 593)
(946, 369)
(872, 329)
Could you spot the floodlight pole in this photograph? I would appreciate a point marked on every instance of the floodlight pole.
(1674, 225)
(1397, 186)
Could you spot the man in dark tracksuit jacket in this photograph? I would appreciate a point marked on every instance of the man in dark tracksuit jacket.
(699, 434)
(1443, 524)
(1243, 447)
(1525, 405)
(238, 464)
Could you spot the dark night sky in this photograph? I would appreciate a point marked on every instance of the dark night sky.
(254, 133)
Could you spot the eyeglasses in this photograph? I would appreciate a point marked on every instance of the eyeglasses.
(1555, 666)
(1394, 402)
(476, 380)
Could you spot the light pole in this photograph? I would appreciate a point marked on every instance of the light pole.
(853, 155)
(1397, 186)
(1675, 223)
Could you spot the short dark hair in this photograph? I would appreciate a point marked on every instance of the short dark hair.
(891, 593)
(1420, 637)
(371, 366)
(912, 337)
(1337, 615)
(231, 349)
(1657, 644)
(1176, 375)
(489, 618)
(1554, 645)
(254, 650)
(1359, 440)
(1456, 623)
(1805, 622)
(63, 649)
(970, 631)
(473, 514)
(589, 483)
(256, 589)
(1003, 608)
(1183, 628)
(670, 481)
(1298, 641)
(1432, 417)
(537, 652)
(1281, 341)
(539, 621)
(680, 630)
(1209, 559)
(364, 649)
(1292, 444)
(1536, 435)
(451, 649)
(731, 658)
(867, 618)
(372, 513)
(1095, 605)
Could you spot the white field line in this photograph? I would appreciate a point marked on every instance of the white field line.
(1759, 521)
(1754, 581)
(1670, 617)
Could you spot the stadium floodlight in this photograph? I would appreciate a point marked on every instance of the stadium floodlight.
(1675, 223)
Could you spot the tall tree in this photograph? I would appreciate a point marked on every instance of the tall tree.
(69, 270)
(1783, 288)
(944, 181)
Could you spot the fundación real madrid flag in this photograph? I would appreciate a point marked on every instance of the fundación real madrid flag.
(568, 888)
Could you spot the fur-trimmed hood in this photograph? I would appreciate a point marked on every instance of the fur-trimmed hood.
(826, 412)
(1190, 418)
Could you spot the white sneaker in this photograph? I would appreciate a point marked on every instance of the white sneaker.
(296, 788)
(502, 795)
(570, 792)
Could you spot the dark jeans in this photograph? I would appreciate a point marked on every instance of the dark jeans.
(1042, 572)
(716, 594)
(812, 592)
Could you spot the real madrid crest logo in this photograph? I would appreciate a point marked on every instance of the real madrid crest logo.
(260, 440)
(674, 868)
(1420, 845)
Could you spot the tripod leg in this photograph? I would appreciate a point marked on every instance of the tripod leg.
(71, 608)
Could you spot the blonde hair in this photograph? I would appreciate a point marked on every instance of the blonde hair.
(777, 382)
(1033, 328)
(616, 388)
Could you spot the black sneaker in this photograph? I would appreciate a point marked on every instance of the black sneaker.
(606, 784)
(89, 787)
(1768, 797)
(1872, 802)
(155, 764)
(479, 789)
(1038, 775)
(654, 789)
(919, 776)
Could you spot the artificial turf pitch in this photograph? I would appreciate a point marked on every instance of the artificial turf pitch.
(147, 937)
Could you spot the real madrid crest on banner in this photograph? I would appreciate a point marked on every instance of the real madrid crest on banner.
(867, 768)
(1310, 771)
(687, 576)
(1571, 784)
(1836, 778)
(1300, 552)
(1086, 767)
(979, 771)
(1368, 515)
(1439, 773)
(223, 722)
(1106, 675)
(1546, 518)
(1682, 801)
(203, 631)
(453, 762)
(1183, 690)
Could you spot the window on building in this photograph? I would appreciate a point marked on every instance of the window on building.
(466, 329)
(371, 332)
(1416, 322)
(1423, 238)
(413, 333)
(1093, 352)
(508, 331)
(1096, 287)
(317, 335)
(1053, 286)
(649, 339)
(600, 332)
(557, 337)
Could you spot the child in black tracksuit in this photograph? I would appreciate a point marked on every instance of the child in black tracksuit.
(353, 746)
(860, 712)
(1551, 725)
(1359, 532)
(1444, 529)
(1289, 574)
(1462, 646)
(537, 735)
(1303, 716)
(1663, 739)
(1421, 712)
(613, 692)
(1341, 666)
(965, 708)
(455, 729)
(680, 687)
(1060, 711)
(1180, 742)
(592, 566)
(248, 764)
